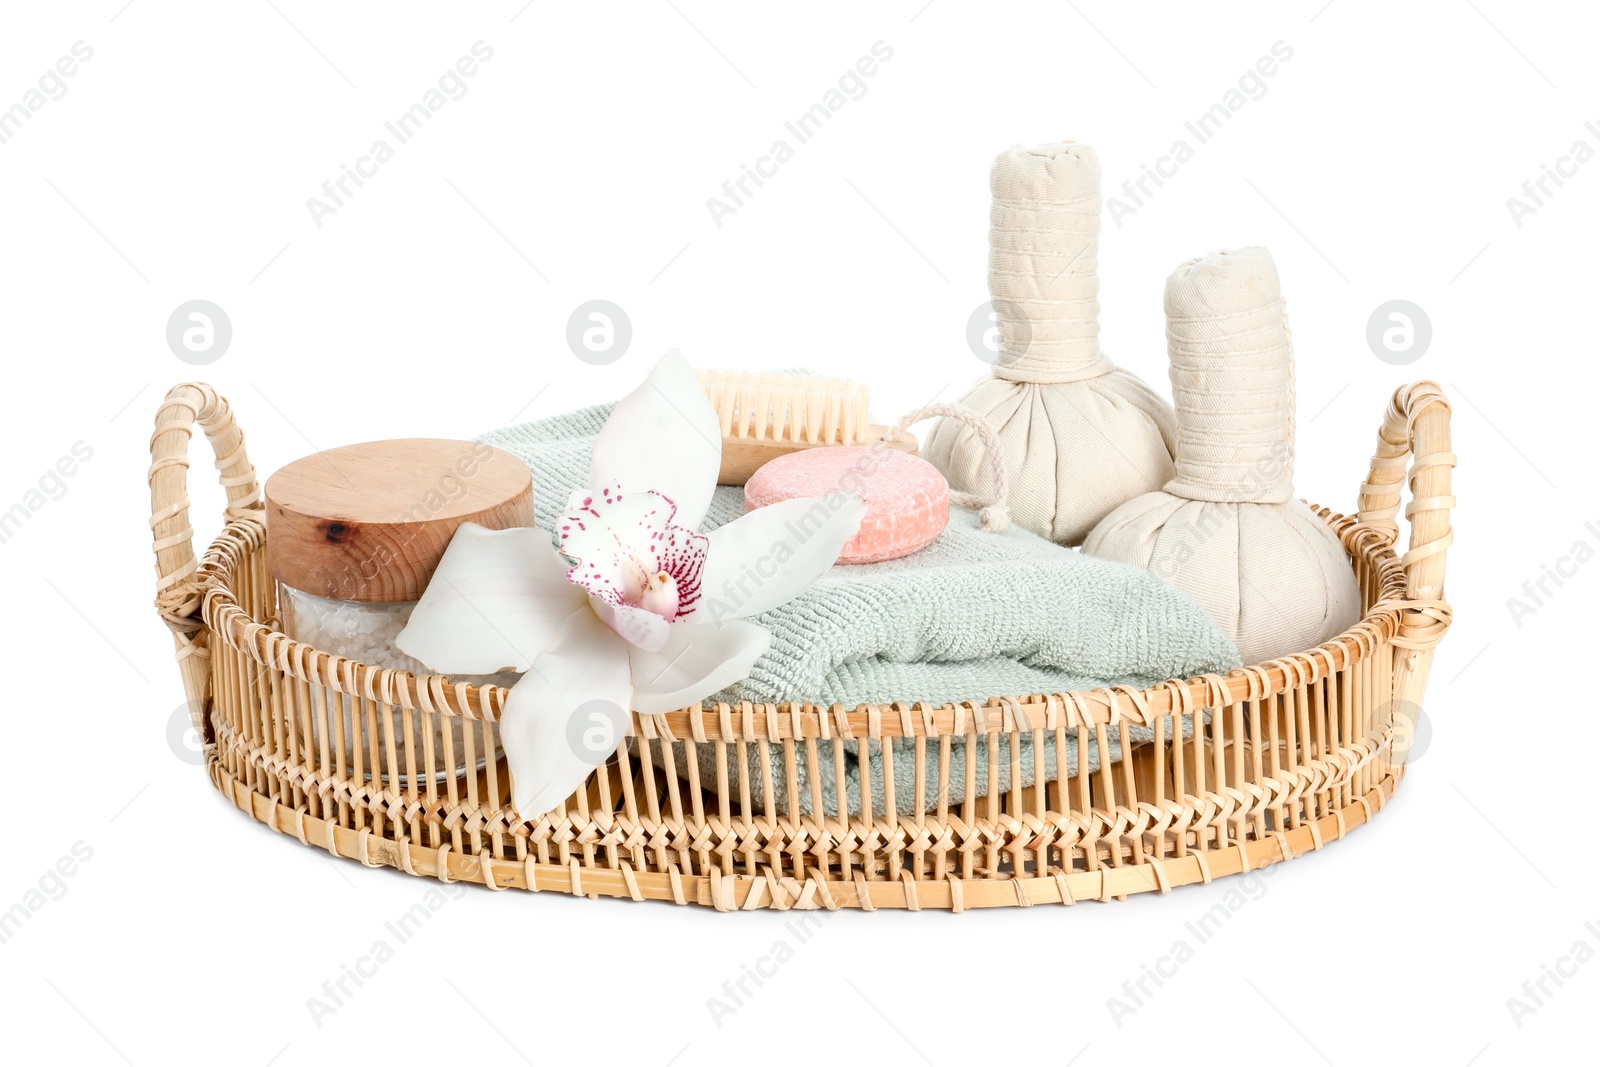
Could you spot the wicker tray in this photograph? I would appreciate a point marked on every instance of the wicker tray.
(1297, 752)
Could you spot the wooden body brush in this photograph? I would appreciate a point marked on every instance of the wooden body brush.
(764, 416)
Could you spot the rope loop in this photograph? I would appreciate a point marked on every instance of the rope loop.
(993, 512)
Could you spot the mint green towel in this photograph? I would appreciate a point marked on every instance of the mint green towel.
(973, 615)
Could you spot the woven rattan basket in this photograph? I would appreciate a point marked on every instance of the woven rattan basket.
(1295, 754)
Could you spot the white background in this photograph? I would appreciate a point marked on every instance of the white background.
(577, 166)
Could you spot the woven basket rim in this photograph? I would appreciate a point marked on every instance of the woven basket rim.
(1380, 625)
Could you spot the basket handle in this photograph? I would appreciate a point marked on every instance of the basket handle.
(177, 592)
(1416, 426)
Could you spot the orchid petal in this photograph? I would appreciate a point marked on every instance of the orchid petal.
(496, 601)
(567, 715)
(771, 555)
(698, 659)
(638, 627)
(620, 540)
(664, 436)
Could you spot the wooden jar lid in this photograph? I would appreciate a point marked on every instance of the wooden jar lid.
(370, 522)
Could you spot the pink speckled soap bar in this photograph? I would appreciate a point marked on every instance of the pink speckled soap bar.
(908, 500)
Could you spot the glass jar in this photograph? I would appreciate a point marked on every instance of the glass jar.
(353, 536)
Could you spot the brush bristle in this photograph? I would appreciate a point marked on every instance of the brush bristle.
(800, 408)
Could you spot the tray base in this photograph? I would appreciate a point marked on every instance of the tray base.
(743, 892)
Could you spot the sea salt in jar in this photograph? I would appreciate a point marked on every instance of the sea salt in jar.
(353, 536)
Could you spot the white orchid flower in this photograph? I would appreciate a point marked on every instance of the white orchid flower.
(635, 609)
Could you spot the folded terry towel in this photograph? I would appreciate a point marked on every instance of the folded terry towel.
(973, 615)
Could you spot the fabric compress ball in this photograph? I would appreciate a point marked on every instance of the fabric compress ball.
(1226, 529)
(1080, 435)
